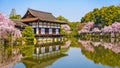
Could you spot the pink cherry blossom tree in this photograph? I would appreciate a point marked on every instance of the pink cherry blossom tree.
(7, 28)
(115, 27)
(96, 30)
(107, 29)
(87, 27)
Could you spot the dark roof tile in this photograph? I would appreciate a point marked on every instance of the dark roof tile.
(46, 16)
(19, 23)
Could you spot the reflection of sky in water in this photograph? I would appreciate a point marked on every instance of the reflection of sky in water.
(75, 59)
(19, 65)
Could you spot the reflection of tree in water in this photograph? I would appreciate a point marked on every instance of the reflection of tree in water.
(105, 53)
(74, 41)
(27, 50)
(114, 46)
(9, 56)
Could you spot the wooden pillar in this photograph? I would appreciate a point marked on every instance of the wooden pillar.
(37, 51)
(37, 29)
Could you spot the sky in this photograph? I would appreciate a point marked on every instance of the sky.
(73, 10)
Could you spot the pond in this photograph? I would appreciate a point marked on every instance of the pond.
(81, 54)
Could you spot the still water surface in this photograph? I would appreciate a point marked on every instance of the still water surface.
(87, 54)
(75, 59)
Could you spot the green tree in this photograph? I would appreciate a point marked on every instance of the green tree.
(103, 16)
(118, 18)
(62, 31)
(15, 17)
(88, 17)
(61, 18)
(73, 26)
(28, 34)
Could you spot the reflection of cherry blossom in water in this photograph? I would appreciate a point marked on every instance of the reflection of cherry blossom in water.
(96, 44)
(8, 62)
(115, 47)
(67, 44)
(86, 45)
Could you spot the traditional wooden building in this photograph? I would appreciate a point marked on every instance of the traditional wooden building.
(44, 24)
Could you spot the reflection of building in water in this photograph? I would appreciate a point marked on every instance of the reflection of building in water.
(42, 40)
(43, 56)
(89, 45)
(41, 62)
(42, 50)
(8, 57)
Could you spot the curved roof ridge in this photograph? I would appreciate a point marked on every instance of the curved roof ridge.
(38, 11)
